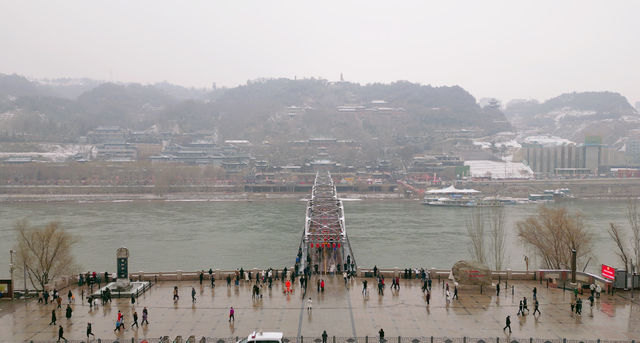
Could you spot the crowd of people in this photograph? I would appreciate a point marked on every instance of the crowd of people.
(262, 281)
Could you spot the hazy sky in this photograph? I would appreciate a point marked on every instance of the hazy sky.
(505, 49)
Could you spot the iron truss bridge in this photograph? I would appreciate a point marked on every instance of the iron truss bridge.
(325, 246)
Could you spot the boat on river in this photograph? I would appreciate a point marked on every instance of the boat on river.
(454, 197)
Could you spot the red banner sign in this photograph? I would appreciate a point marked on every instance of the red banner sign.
(608, 272)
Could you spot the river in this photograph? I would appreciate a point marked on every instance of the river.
(191, 235)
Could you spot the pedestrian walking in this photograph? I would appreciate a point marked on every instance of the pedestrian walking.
(89, 331)
(69, 296)
(324, 336)
(133, 299)
(447, 296)
(59, 301)
(498, 289)
(579, 306)
(68, 311)
(318, 284)
(520, 309)
(193, 294)
(381, 335)
(573, 305)
(591, 300)
(46, 297)
(455, 292)
(201, 276)
(428, 297)
(53, 317)
(145, 316)
(135, 319)
(524, 305)
(536, 307)
(120, 318)
(364, 287)
(119, 326)
(309, 302)
(232, 315)
(176, 297)
(508, 324)
(535, 293)
(61, 333)
(322, 285)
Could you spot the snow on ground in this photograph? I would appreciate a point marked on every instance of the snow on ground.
(507, 144)
(499, 170)
(547, 140)
(562, 113)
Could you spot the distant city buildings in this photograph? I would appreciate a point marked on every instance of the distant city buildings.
(590, 158)
(203, 152)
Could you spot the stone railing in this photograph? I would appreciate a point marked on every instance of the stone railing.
(555, 278)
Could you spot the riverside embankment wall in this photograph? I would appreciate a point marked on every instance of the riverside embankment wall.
(583, 188)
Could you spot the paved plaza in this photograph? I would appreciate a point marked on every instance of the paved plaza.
(340, 311)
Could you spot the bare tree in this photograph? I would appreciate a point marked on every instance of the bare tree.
(44, 252)
(475, 231)
(620, 238)
(634, 222)
(497, 235)
(553, 233)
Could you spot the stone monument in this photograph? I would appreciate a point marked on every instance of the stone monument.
(471, 273)
(122, 281)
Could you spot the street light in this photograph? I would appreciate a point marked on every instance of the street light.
(11, 252)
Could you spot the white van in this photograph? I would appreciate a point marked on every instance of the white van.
(263, 337)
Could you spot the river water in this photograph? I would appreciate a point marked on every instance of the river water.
(187, 235)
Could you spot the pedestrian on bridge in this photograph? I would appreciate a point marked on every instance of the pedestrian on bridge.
(324, 336)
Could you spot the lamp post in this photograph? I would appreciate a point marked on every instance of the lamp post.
(11, 252)
(24, 269)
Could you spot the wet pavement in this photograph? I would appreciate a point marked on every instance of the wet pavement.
(342, 312)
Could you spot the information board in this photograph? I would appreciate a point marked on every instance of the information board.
(608, 272)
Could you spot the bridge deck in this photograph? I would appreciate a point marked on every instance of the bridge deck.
(325, 244)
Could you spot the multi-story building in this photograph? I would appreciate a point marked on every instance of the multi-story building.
(590, 158)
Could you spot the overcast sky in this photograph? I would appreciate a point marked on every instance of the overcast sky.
(505, 49)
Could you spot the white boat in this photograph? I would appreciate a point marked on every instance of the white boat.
(462, 202)
(453, 197)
